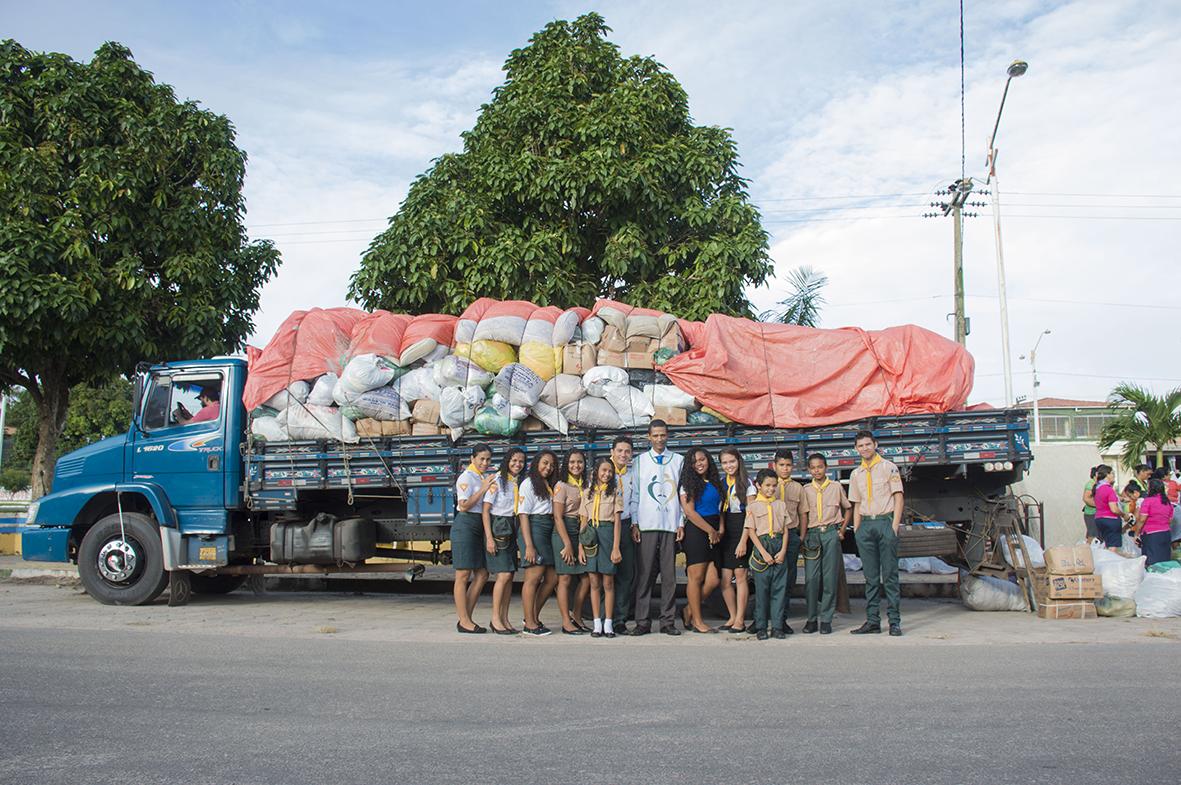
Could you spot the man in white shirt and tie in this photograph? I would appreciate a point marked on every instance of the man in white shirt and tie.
(656, 513)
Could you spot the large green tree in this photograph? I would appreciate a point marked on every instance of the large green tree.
(1143, 422)
(583, 177)
(121, 229)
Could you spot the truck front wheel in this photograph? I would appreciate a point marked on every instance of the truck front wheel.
(122, 564)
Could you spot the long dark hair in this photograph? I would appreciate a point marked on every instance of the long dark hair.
(508, 457)
(1101, 472)
(594, 480)
(565, 472)
(692, 483)
(741, 483)
(1157, 488)
(540, 488)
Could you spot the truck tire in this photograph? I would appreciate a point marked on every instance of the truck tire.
(115, 571)
(216, 584)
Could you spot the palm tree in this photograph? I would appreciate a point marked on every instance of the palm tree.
(802, 305)
(1142, 420)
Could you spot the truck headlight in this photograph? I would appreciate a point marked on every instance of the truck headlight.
(31, 517)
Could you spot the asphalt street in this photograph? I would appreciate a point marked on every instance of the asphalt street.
(94, 695)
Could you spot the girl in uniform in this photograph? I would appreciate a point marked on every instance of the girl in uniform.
(602, 506)
(701, 503)
(740, 491)
(536, 515)
(467, 538)
(500, 535)
(569, 564)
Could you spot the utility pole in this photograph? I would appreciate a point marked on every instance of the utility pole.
(954, 206)
(1037, 421)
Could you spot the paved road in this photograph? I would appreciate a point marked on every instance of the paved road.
(156, 695)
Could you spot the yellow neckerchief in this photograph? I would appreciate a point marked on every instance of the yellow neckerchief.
(820, 497)
(471, 467)
(575, 481)
(730, 483)
(621, 471)
(599, 490)
(877, 458)
(768, 500)
(516, 495)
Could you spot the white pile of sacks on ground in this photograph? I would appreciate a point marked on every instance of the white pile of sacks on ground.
(507, 370)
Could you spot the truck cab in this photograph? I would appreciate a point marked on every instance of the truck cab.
(160, 497)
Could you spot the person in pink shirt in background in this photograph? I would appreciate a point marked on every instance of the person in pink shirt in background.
(1152, 524)
(1108, 515)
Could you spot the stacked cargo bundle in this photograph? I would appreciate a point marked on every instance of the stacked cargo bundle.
(1067, 587)
(506, 366)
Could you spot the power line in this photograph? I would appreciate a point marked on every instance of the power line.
(1115, 196)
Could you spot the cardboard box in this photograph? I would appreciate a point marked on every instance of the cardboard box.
(1067, 609)
(671, 415)
(612, 340)
(369, 428)
(638, 360)
(1069, 560)
(396, 428)
(640, 343)
(1062, 587)
(578, 358)
(425, 429)
(532, 424)
(613, 359)
(426, 412)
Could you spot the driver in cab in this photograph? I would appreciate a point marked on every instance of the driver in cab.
(210, 399)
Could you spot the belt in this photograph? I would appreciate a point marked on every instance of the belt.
(826, 526)
(877, 517)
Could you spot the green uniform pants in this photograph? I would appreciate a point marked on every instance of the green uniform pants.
(877, 544)
(792, 562)
(822, 557)
(770, 588)
(625, 575)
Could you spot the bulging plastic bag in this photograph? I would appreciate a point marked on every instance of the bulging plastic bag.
(1115, 607)
(592, 412)
(539, 357)
(1036, 554)
(319, 422)
(419, 385)
(598, 379)
(633, 408)
(296, 392)
(518, 384)
(1159, 595)
(458, 405)
(926, 564)
(985, 593)
(592, 329)
(364, 372)
(489, 421)
(506, 409)
(563, 389)
(702, 418)
(456, 371)
(321, 394)
(269, 429)
(489, 355)
(669, 395)
(552, 417)
(384, 404)
(1121, 576)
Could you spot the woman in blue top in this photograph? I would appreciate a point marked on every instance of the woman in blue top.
(701, 501)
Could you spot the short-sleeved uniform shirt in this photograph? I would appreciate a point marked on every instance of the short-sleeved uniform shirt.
(736, 496)
(1159, 515)
(531, 503)
(623, 478)
(468, 485)
(503, 496)
(567, 498)
(826, 503)
(1104, 496)
(873, 486)
(609, 504)
(763, 517)
(791, 493)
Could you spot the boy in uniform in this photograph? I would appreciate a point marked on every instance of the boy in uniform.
(822, 531)
(625, 571)
(791, 494)
(767, 524)
(875, 488)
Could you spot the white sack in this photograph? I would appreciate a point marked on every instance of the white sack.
(1159, 595)
(552, 417)
(633, 408)
(564, 327)
(384, 403)
(592, 329)
(504, 408)
(363, 373)
(519, 384)
(1036, 554)
(455, 371)
(458, 405)
(927, 564)
(504, 328)
(597, 379)
(1121, 576)
(296, 392)
(563, 389)
(985, 593)
(591, 412)
(319, 422)
(671, 396)
(419, 385)
(268, 429)
(321, 394)
(852, 563)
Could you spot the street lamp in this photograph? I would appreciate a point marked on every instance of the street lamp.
(1016, 68)
(1037, 424)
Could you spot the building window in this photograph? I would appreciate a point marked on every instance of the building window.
(1055, 426)
(1087, 426)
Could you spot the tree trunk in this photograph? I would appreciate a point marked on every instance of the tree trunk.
(52, 404)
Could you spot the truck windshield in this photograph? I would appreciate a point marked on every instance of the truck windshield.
(182, 399)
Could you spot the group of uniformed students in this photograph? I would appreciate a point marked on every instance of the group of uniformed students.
(610, 529)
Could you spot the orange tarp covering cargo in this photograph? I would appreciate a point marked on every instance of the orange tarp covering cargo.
(799, 377)
(306, 345)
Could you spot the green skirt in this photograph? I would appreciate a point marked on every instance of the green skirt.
(562, 567)
(601, 561)
(505, 558)
(467, 542)
(541, 527)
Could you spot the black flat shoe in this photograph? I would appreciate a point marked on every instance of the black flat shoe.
(779, 635)
(608, 635)
(787, 630)
(750, 629)
(810, 627)
(896, 630)
(825, 628)
(596, 635)
(638, 631)
(476, 630)
(733, 630)
(867, 629)
(761, 635)
(574, 631)
(498, 631)
(671, 631)
(707, 631)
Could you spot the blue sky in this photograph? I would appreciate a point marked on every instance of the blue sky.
(847, 115)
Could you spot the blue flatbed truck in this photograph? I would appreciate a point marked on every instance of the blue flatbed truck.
(200, 507)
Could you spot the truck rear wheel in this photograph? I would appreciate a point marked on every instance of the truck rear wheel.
(122, 565)
(216, 584)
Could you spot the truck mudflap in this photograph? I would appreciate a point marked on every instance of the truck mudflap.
(45, 543)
